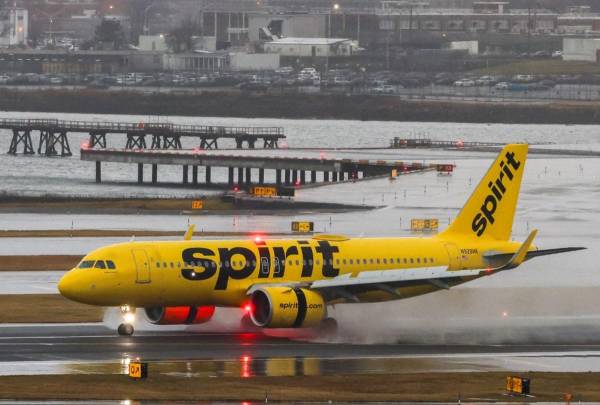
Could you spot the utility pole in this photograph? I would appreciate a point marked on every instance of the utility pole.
(529, 29)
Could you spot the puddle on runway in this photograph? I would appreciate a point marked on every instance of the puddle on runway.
(247, 367)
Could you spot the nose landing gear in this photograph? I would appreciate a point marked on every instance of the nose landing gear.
(126, 328)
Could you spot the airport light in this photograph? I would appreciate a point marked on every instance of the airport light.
(129, 317)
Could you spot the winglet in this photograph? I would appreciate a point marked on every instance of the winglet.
(189, 233)
(520, 254)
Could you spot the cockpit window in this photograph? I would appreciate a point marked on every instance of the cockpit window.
(100, 264)
(110, 264)
(86, 264)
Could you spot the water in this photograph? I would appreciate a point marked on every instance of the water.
(35, 175)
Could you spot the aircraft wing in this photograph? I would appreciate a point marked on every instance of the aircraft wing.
(348, 285)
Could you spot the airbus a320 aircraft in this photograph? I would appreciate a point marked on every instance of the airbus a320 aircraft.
(290, 283)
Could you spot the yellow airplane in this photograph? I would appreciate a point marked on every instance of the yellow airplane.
(290, 283)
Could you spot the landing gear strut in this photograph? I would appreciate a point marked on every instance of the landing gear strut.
(328, 328)
(126, 328)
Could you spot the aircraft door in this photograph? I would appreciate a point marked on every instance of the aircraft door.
(455, 262)
(142, 266)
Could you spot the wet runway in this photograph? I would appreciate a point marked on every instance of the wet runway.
(93, 348)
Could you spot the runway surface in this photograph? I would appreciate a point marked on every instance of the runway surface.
(93, 348)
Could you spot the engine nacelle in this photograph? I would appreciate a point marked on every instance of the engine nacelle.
(179, 315)
(285, 307)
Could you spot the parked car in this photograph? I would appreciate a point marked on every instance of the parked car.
(485, 81)
(385, 89)
(523, 78)
(464, 83)
(284, 70)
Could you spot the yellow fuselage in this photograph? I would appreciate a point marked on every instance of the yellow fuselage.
(220, 272)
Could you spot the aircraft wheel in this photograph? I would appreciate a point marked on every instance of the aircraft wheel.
(125, 329)
(328, 328)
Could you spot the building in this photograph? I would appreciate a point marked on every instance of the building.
(581, 49)
(153, 43)
(491, 7)
(293, 25)
(245, 62)
(196, 62)
(14, 27)
(472, 47)
(79, 62)
(310, 47)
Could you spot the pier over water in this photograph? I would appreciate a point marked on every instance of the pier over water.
(53, 135)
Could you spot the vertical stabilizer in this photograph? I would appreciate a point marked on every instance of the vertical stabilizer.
(490, 210)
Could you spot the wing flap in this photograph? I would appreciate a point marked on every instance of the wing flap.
(392, 276)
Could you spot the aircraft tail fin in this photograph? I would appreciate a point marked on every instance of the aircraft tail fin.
(490, 210)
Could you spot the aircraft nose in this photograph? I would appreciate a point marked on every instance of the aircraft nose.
(67, 286)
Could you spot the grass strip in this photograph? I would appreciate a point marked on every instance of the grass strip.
(446, 387)
(46, 308)
(37, 263)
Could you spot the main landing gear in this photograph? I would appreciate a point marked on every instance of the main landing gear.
(328, 328)
(126, 328)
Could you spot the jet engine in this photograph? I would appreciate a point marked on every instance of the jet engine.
(285, 307)
(179, 315)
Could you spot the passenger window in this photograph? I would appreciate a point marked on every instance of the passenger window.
(344, 261)
(377, 261)
(158, 265)
(418, 260)
(351, 261)
(100, 265)
(384, 261)
(178, 265)
(297, 263)
(431, 259)
(337, 261)
(371, 261)
(172, 265)
(86, 264)
(364, 261)
(405, 261)
(110, 264)
(278, 268)
(412, 260)
(165, 265)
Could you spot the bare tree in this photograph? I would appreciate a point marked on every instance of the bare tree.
(181, 38)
